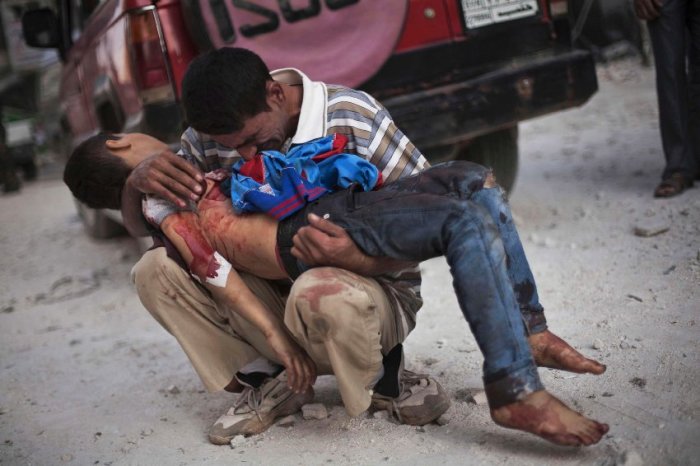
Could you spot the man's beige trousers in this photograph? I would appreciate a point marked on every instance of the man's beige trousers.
(344, 321)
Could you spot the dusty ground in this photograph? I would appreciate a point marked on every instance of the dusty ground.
(89, 378)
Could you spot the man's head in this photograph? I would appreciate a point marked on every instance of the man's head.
(229, 95)
(98, 168)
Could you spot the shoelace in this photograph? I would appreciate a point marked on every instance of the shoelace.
(251, 397)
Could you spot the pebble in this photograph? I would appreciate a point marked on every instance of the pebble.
(67, 457)
(314, 411)
(598, 344)
(287, 421)
(383, 415)
(650, 229)
(630, 458)
(173, 390)
(480, 398)
(237, 441)
(442, 420)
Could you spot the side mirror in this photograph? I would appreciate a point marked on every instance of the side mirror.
(40, 28)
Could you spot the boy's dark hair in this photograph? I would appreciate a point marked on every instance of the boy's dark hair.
(223, 88)
(94, 175)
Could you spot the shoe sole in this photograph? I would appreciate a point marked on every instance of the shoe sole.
(286, 408)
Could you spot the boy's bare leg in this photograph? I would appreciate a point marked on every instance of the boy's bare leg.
(542, 414)
(551, 351)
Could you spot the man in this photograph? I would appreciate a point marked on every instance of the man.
(674, 28)
(298, 108)
(442, 195)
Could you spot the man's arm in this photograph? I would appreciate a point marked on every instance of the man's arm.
(325, 243)
(227, 287)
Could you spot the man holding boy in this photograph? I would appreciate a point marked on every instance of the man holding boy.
(203, 331)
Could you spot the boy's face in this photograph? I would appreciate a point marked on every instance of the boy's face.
(135, 147)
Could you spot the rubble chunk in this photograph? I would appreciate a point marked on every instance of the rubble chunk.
(314, 411)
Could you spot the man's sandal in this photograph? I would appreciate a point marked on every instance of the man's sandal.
(673, 185)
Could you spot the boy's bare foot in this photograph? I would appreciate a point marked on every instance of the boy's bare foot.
(542, 414)
(551, 351)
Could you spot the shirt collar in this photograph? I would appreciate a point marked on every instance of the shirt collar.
(314, 104)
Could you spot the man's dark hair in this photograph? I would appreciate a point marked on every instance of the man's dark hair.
(94, 175)
(223, 88)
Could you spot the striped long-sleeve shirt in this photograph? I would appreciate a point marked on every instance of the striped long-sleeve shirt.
(371, 133)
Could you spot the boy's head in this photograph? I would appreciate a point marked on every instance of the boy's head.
(98, 168)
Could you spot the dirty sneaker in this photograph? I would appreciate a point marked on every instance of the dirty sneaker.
(414, 399)
(420, 401)
(256, 409)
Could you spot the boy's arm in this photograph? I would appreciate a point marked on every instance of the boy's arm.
(227, 287)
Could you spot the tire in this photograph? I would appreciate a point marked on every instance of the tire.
(497, 150)
(97, 225)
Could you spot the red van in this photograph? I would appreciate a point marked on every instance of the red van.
(456, 75)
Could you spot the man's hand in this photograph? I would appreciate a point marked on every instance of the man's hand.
(301, 370)
(169, 177)
(323, 242)
(648, 9)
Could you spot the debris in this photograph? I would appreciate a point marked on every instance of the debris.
(67, 457)
(479, 398)
(441, 342)
(237, 441)
(442, 420)
(598, 344)
(173, 390)
(624, 345)
(607, 394)
(669, 270)
(638, 382)
(420, 429)
(287, 421)
(7, 309)
(629, 458)
(383, 415)
(314, 411)
(636, 298)
(430, 361)
(651, 229)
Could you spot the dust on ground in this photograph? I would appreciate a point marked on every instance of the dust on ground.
(88, 377)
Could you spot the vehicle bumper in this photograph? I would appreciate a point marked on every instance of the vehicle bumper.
(514, 91)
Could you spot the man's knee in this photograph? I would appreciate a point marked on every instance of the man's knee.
(158, 277)
(326, 297)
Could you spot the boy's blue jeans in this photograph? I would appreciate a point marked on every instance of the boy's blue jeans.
(446, 211)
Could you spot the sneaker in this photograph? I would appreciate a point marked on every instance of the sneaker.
(256, 409)
(421, 400)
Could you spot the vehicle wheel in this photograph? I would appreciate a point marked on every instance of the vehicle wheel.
(97, 225)
(497, 150)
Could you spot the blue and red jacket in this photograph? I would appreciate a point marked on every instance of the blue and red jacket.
(279, 184)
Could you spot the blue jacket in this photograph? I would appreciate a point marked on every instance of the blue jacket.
(279, 184)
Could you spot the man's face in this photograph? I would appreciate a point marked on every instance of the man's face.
(265, 131)
(135, 147)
